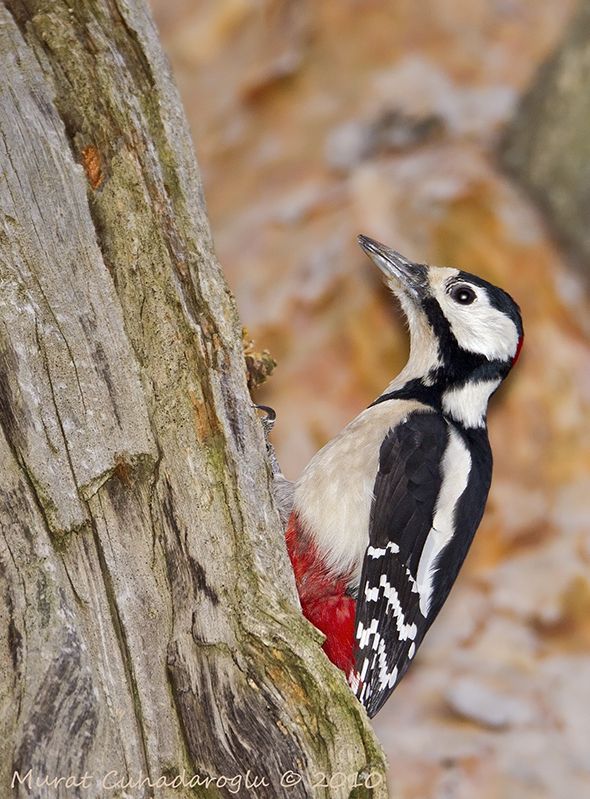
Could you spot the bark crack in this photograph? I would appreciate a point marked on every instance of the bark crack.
(25, 639)
(27, 193)
(43, 353)
(121, 635)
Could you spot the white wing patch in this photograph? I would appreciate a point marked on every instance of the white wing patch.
(456, 465)
(379, 552)
(412, 581)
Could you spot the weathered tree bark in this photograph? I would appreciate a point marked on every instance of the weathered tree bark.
(148, 620)
(548, 145)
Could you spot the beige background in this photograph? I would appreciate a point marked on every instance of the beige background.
(314, 121)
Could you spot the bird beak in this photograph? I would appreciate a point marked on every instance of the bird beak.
(398, 270)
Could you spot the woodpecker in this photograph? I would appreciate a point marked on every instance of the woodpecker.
(383, 515)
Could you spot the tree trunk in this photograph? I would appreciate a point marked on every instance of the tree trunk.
(148, 622)
(548, 145)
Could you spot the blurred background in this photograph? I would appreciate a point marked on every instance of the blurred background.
(315, 121)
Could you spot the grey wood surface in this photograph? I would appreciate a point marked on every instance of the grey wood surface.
(148, 615)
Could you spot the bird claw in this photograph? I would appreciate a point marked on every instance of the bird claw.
(282, 488)
(268, 422)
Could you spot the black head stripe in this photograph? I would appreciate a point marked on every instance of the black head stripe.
(440, 325)
(459, 365)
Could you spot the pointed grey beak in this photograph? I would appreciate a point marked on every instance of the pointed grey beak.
(403, 273)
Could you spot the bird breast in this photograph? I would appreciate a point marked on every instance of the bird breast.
(334, 494)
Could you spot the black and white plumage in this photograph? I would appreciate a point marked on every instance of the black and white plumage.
(390, 506)
(429, 477)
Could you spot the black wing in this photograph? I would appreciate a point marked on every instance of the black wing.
(389, 625)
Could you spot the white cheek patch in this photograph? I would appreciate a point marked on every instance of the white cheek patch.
(483, 329)
(479, 327)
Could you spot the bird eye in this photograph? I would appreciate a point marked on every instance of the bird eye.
(464, 295)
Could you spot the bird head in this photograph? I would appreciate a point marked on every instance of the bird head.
(463, 330)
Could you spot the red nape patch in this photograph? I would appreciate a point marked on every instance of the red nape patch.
(518, 349)
(324, 601)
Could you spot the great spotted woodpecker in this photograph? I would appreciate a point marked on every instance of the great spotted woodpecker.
(384, 514)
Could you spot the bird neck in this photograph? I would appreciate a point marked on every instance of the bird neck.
(467, 404)
(462, 393)
(440, 373)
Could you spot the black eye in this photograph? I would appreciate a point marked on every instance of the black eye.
(464, 295)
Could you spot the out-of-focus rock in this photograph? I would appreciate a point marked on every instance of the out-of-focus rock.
(416, 87)
(519, 512)
(567, 691)
(484, 704)
(504, 647)
(570, 510)
(547, 574)
(390, 131)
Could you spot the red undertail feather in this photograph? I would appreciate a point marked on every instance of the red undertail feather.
(323, 600)
(518, 349)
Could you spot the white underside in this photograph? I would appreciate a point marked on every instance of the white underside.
(334, 494)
